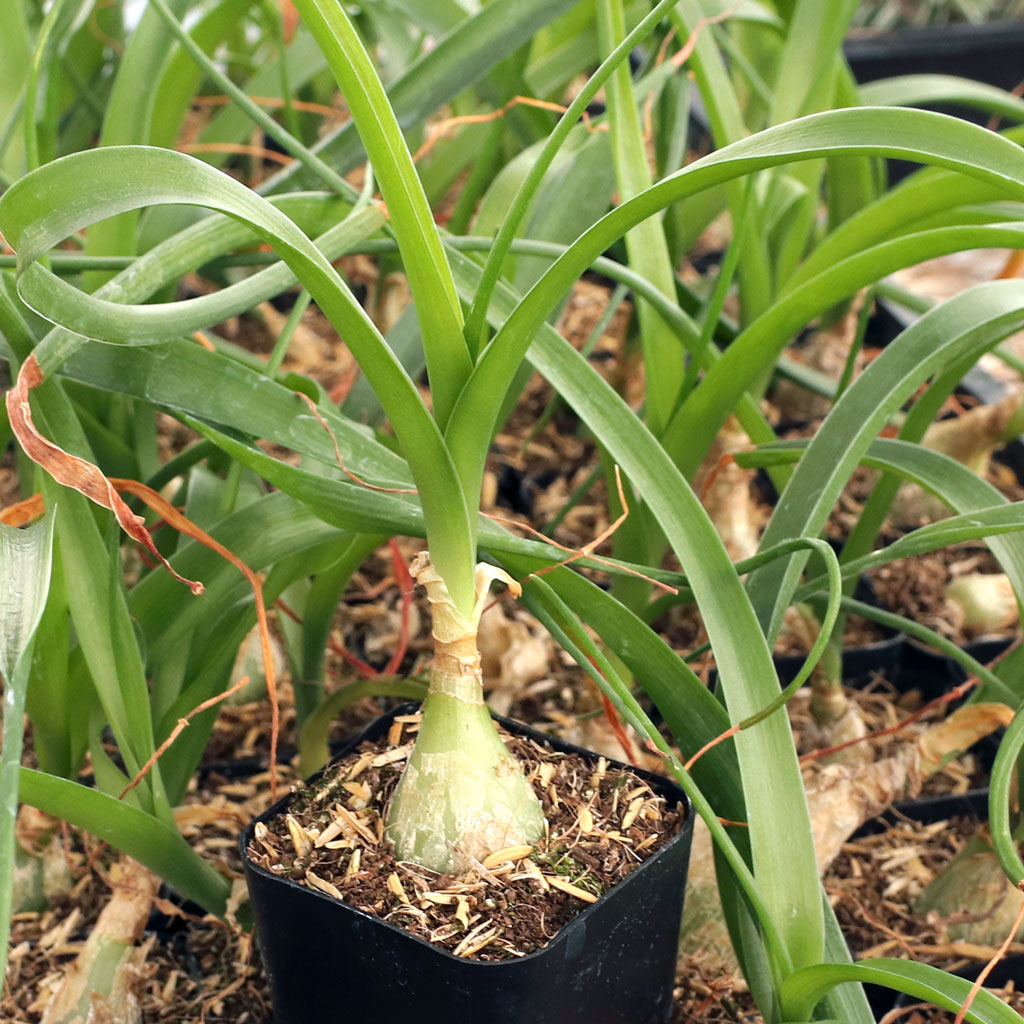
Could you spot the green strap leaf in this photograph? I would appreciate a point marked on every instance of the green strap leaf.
(26, 557)
(927, 193)
(97, 602)
(969, 323)
(922, 90)
(34, 218)
(190, 380)
(909, 134)
(128, 118)
(755, 350)
(124, 324)
(766, 753)
(645, 243)
(437, 306)
(560, 621)
(811, 51)
(157, 845)
(261, 534)
(983, 511)
(458, 62)
(805, 988)
(553, 146)
(1004, 775)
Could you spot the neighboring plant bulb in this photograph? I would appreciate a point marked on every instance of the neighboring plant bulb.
(982, 603)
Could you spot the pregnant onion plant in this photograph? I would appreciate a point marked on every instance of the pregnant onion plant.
(480, 319)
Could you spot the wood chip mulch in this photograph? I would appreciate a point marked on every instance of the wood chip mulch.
(202, 971)
(197, 970)
(703, 995)
(875, 881)
(602, 823)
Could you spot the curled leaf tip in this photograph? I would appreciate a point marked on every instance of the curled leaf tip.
(21, 513)
(70, 470)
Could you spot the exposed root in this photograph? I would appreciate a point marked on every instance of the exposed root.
(842, 797)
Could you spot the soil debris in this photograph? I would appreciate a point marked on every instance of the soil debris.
(917, 586)
(876, 881)
(603, 821)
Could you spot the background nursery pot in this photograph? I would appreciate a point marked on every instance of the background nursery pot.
(985, 53)
(611, 964)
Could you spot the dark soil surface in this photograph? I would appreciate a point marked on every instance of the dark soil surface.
(197, 970)
(602, 823)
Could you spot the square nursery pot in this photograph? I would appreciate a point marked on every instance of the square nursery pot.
(972, 804)
(614, 963)
(988, 53)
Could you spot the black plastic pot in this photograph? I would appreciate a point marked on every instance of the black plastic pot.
(892, 319)
(612, 964)
(859, 663)
(985, 53)
(934, 673)
(926, 810)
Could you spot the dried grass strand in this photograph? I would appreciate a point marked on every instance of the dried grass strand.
(183, 525)
(443, 128)
(178, 729)
(23, 512)
(337, 453)
(238, 148)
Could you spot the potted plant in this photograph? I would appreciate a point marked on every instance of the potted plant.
(588, 970)
(746, 785)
